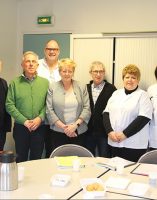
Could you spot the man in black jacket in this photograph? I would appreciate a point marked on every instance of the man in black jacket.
(5, 119)
(99, 92)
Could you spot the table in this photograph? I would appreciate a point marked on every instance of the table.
(150, 194)
(112, 193)
(39, 172)
(37, 179)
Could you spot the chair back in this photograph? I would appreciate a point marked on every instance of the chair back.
(150, 157)
(71, 150)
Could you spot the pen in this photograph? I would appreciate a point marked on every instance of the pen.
(141, 174)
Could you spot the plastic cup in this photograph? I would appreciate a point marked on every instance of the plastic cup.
(21, 173)
(76, 165)
(153, 179)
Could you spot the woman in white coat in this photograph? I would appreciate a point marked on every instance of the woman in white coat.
(126, 117)
(152, 92)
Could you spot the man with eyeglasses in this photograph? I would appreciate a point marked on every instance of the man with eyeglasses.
(48, 68)
(99, 92)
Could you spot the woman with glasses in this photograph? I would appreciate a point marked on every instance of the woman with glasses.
(68, 109)
(99, 92)
(126, 117)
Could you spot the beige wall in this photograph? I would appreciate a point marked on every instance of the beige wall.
(90, 16)
(8, 46)
(86, 16)
(8, 43)
(75, 16)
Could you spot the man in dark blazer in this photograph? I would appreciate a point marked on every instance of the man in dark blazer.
(5, 119)
(99, 91)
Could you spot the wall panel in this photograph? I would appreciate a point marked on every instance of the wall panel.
(139, 51)
(86, 50)
(128, 50)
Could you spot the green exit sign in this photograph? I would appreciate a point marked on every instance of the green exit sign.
(44, 20)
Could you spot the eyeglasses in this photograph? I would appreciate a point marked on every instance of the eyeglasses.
(98, 72)
(52, 49)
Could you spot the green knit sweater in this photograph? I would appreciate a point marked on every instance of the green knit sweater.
(27, 99)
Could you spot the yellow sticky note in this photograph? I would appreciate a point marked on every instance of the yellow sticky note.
(65, 161)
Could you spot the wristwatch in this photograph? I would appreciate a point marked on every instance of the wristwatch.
(78, 124)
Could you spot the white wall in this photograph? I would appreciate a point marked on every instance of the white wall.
(75, 16)
(90, 16)
(8, 42)
(86, 16)
(8, 45)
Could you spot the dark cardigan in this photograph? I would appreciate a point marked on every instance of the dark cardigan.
(95, 125)
(5, 119)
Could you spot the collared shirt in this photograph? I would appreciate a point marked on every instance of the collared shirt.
(43, 71)
(30, 80)
(96, 90)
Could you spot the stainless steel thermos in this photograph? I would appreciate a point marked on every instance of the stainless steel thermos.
(8, 171)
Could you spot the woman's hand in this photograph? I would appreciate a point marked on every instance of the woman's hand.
(70, 129)
(113, 136)
(120, 136)
(60, 124)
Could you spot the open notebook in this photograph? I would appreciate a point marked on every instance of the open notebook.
(112, 163)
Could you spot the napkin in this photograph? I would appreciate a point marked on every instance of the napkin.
(138, 189)
(119, 183)
(60, 180)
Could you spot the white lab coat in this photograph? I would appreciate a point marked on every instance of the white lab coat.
(123, 109)
(152, 92)
(43, 71)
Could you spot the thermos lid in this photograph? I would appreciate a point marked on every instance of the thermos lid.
(7, 157)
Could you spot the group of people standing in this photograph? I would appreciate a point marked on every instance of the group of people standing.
(50, 108)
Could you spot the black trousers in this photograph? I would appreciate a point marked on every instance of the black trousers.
(2, 139)
(28, 145)
(58, 139)
(127, 153)
(48, 142)
(100, 144)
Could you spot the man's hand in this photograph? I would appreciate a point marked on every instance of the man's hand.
(33, 124)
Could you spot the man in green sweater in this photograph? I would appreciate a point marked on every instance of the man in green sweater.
(26, 104)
